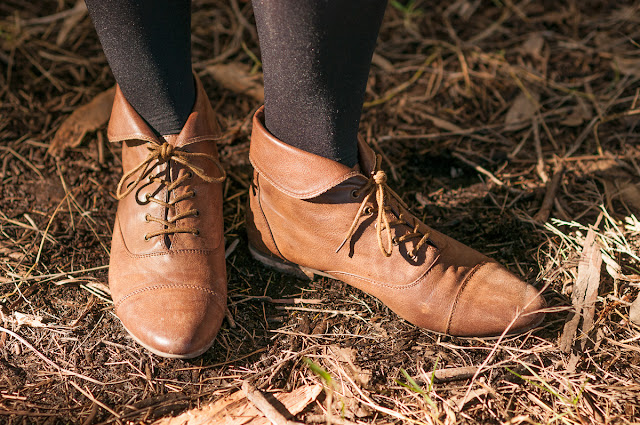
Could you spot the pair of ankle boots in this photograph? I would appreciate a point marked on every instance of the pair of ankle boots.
(306, 215)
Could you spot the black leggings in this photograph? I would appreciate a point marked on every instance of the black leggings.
(315, 55)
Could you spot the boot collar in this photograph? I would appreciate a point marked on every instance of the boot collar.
(126, 124)
(297, 173)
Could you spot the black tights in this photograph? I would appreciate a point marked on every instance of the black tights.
(148, 46)
(315, 55)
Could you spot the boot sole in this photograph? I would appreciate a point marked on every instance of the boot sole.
(287, 267)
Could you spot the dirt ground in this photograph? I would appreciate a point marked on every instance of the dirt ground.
(511, 126)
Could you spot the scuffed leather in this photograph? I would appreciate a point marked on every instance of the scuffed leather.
(301, 205)
(169, 291)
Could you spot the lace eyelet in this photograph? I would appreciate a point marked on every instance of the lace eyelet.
(147, 238)
(193, 193)
(189, 175)
(394, 241)
(355, 194)
(197, 232)
(147, 196)
(368, 210)
(146, 218)
(197, 214)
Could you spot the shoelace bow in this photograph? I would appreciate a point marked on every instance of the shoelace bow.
(162, 153)
(377, 186)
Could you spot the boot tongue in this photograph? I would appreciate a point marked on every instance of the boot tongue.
(366, 158)
(126, 124)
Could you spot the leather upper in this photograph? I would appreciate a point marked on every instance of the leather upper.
(169, 289)
(301, 205)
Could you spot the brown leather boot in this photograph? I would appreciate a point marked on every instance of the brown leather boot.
(309, 215)
(167, 268)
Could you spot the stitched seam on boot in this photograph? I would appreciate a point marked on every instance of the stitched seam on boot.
(157, 254)
(460, 291)
(154, 287)
(265, 218)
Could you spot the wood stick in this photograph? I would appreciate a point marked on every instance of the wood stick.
(550, 195)
(478, 168)
(269, 411)
(455, 373)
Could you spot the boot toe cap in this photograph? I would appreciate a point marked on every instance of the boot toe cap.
(494, 300)
(172, 321)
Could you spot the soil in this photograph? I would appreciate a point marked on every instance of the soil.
(454, 155)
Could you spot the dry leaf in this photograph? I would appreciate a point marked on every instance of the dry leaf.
(585, 292)
(463, 8)
(521, 112)
(627, 66)
(630, 194)
(623, 189)
(611, 266)
(634, 311)
(580, 113)
(347, 356)
(21, 319)
(618, 183)
(460, 402)
(422, 200)
(533, 45)
(236, 77)
(86, 118)
(235, 409)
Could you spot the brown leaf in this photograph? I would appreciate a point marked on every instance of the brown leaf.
(618, 183)
(235, 409)
(634, 311)
(580, 113)
(236, 77)
(585, 292)
(347, 356)
(23, 319)
(86, 118)
(533, 45)
(521, 112)
(461, 401)
(630, 194)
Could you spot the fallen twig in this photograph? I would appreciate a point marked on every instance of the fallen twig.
(550, 195)
(45, 359)
(478, 168)
(455, 373)
(269, 411)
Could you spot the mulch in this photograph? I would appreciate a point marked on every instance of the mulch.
(512, 127)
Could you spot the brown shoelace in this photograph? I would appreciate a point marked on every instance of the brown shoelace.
(160, 154)
(377, 186)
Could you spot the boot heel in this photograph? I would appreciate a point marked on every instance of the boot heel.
(287, 267)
